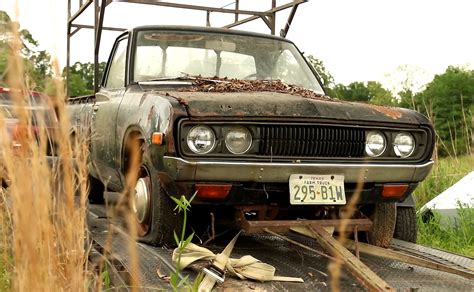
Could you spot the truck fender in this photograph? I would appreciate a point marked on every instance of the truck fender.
(408, 202)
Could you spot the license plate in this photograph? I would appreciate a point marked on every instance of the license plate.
(317, 189)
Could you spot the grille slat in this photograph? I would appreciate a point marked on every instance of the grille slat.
(311, 141)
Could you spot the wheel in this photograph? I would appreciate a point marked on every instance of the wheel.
(95, 191)
(383, 224)
(154, 210)
(406, 226)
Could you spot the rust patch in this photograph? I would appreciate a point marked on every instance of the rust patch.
(217, 84)
(179, 99)
(388, 111)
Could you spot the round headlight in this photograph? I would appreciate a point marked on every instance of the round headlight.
(238, 140)
(404, 145)
(201, 139)
(374, 143)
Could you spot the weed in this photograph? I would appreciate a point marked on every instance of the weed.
(46, 202)
(182, 205)
(443, 233)
(445, 173)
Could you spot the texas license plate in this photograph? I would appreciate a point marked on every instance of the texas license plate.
(317, 189)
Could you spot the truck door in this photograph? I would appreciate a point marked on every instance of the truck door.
(104, 140)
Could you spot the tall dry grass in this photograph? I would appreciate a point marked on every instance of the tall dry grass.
(44, 207)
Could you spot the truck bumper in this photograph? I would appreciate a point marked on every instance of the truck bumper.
(183, 170)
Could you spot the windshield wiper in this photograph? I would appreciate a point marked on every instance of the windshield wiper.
(180, 78)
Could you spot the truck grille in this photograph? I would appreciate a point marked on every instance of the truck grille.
(311, 141)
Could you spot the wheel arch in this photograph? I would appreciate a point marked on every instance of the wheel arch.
(132, 132)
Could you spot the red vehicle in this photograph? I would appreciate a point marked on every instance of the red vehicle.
(41, 113)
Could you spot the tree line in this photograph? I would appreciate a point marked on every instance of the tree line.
(448, 100)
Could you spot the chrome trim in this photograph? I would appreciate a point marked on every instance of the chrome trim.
(184, 170)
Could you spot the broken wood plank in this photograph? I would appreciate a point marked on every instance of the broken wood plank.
(358, 269)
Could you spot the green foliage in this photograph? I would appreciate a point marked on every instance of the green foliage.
(444, 174)
(105, 278)
(81, 78)
(379, 95)
(325, 76)
(452, 236)
(36, 63)
(183, 205)
(371, 91)
(448, 100)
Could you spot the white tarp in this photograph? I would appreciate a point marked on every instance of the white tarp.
(448, 201)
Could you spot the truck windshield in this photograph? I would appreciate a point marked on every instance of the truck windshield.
(165, 54)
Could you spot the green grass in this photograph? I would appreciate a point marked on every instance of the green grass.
(444, 174)
(458, 236)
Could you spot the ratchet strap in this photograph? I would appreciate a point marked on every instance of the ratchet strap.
(246, 267)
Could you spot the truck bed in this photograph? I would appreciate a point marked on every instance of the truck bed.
(289, 260)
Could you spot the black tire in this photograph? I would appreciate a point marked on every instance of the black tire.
(162, 220)
(406, 226)
(383, 224)
(95, 190)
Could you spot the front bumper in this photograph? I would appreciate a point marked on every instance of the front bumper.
(183, 170)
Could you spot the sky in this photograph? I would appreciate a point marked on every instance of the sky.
(357, 40)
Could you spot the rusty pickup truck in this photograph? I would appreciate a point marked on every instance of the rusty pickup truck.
(242, 120)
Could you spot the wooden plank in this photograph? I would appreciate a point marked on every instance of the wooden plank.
(358, 269)
(406, 258)
(394, 255)
(300, 244)
(258, 226)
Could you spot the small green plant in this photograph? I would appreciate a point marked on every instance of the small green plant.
(105, 278)
(182, 205)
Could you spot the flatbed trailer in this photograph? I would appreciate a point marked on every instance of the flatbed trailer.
(289, 259)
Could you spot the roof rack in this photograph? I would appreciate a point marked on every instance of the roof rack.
(268, 18)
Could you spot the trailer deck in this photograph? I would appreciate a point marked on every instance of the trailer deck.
(288, 259)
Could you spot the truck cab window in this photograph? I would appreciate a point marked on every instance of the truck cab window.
(116, 75)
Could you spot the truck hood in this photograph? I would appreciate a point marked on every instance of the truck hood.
(284, 105)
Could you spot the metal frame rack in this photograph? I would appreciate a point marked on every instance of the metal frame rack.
(268, 17)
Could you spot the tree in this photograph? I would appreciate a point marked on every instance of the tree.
(325, 76)
(36, 63)
(449, 100)
(81, 78)
(379, 95)
(371, 92)
(355, 91)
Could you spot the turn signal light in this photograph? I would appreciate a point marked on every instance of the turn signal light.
(157, 138)
(212, 191)
(394, 191)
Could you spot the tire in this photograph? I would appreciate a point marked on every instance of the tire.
(383, 224)
(406, 225)
(157, 224)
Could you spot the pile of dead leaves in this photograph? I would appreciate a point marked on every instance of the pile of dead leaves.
(217, 84)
